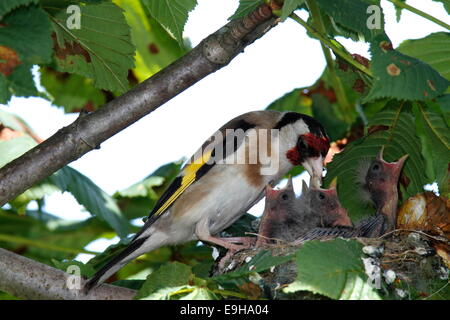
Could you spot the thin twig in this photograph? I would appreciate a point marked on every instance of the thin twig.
(425, 15)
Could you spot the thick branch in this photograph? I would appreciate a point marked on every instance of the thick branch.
(90, 130)
(28, 279)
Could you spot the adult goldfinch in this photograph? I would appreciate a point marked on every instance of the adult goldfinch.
(225, 178)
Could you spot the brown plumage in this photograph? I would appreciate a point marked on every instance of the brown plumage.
(286, 217)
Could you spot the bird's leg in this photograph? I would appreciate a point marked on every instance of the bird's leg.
(203, 234)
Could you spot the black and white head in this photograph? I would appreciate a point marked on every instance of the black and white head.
(304, 142)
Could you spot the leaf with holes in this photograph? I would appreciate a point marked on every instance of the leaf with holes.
(100, 49)
(334, 269)
(434, 49)
(172, 14)
(400, 76)
(393, 129)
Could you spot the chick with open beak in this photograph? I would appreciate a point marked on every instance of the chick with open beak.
(286, 217)
(380, 183)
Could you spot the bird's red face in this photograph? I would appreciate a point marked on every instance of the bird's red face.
(310, 151)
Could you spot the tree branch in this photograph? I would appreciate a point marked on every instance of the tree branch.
(28, 279)
(90, 130)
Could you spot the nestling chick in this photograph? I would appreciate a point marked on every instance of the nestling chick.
(286, 217)
(380, 183)
(224, 178)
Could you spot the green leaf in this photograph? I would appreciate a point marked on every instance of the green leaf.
(434, 49)
(289, 6)
(14, 148)
(393, 130)
(402, 77)
(7, 6)
(27, 30)
(137, 200)
(200, 294)
(11, 121)
(164, 281)
(260, 262)
(101, 49)
(334, 269)
(172, 14)
(353, 14)
(295, 101)
(71, 91)
(155, 47)
(245, 7)
(21, 83)
(95, 200)
(325, 113)
(435, 137)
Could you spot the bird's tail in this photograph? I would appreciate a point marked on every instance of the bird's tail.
(132, 251)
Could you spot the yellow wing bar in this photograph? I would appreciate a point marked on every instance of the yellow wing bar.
(189, 177)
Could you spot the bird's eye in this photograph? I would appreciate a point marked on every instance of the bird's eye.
(285, 196)
(321, 196)
(375, 167)
(301, 145)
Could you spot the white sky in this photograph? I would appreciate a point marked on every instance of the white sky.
(284, 59)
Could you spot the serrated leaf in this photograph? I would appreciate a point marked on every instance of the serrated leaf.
(354, 15)
(289, 6)
(8, 5)
(397, 135)
(166, 280)
(334, 269)
(434, 49)
(402, 77)
(245, 7)
(172, 14)
(96, 201)
(155, 47)
(100, 49)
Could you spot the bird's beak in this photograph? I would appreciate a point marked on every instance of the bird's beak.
(393, 167)
(314, 166)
